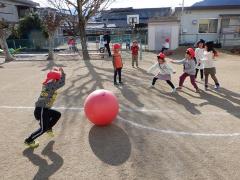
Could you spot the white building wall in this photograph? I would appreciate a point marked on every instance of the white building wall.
(159, 31)
(191, 34)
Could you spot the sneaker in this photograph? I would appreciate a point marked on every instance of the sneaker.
(152, 86)
(174, 90)
(115, 84)
(197, 91)
(216, 87)
(179, 88)
(33, 144)
(50, 133)
(202, 79)
(121, 83)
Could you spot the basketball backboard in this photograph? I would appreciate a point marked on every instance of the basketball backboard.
(132, 19)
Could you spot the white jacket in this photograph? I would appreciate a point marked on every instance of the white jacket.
(208, 60)
(161, 69)
(199, 55)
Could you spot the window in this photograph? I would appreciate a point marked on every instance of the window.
(208, 26)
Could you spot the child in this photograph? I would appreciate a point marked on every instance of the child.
(165, 45)
(134, 49)
(164, 71)
(209, 67)
(199, 55)
(189, 68)
(46, 116)
(117, 64)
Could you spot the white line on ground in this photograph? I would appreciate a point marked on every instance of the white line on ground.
(139, 125)
(177, 132)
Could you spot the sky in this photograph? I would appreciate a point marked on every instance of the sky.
(141, 3)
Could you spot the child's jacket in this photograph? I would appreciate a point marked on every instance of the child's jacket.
(189, 66)
(161, 69)
(49, 93)
(117, 61)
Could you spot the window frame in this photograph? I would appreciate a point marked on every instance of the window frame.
(208, 25)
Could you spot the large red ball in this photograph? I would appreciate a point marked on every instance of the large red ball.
(101, 107)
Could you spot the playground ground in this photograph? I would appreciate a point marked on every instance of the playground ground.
(157, 135)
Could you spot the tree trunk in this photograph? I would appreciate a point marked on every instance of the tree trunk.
(83, 37)
(50, 48)
(4, 46)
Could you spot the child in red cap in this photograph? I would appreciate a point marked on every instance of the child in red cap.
(163, 71)
(134, 49)
(189, 68)
(46, 116)
(117, 64)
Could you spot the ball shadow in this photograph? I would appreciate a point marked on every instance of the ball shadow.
(110, 144)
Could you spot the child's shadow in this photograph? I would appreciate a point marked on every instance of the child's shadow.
(45, 170)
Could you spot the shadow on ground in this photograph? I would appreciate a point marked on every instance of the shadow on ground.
(110, 144)
(45, 170)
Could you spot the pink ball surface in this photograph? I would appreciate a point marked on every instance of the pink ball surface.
(101, 107)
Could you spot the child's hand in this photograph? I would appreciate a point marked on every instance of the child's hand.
(174, 72)
(61, 69)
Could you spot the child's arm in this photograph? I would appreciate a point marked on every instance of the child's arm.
(177, 61)
(153, 68)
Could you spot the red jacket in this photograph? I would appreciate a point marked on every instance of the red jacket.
(134, 50)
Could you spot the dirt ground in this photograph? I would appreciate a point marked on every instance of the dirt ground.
(157, 135)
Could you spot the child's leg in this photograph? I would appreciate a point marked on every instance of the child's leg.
(196, 73)
(55, 116)
(154, 81)
(132, 60)
(213, 76)
(201, 72)
(136, 58)
(182, 79)
(44, 125)
(206, 80)
(193, 81)
(120, 74)
(170, 84)
(115, 75)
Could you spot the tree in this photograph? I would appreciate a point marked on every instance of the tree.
(5, 32)
(85, 10)
(52, 21)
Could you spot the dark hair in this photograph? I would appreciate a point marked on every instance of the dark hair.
(210, 47)
(201, 41)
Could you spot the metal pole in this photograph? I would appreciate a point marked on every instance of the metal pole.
(181, 22)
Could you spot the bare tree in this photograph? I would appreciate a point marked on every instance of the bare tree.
(52, 21)
(85, 9)
(5, 32)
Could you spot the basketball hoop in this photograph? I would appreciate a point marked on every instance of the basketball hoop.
(132, 20)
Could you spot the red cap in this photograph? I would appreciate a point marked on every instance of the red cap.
(116, 46)
(167, 39)
(52, 75)
(161, 56)
(191, 52)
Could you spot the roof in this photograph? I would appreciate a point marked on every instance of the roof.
(27, 3)
(118, 16)
(229, 15)
(209, 7)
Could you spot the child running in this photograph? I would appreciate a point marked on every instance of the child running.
(46, 116)
(199, 55)
(189, 68)
(209, 66)
(134, 49)
(117, 64)
(163, 70)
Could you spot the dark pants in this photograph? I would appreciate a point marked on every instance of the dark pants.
(201, 73)
(108, 48)
(184, 76)
(168, 81)
(163, 49)
(47, 119)
(118, 71)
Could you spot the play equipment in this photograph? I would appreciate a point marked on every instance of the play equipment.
(101, 107)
